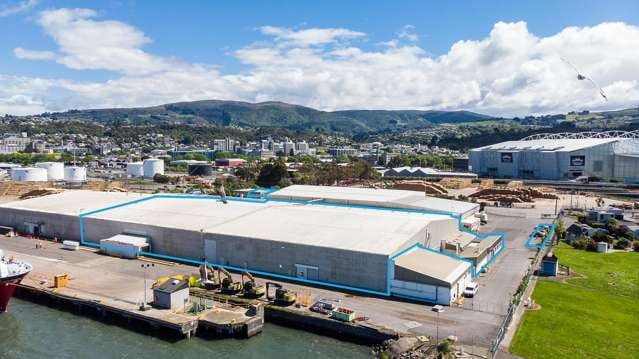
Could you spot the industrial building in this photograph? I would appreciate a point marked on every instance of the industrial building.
(424, 172)
(388, 198)
(562, 156)
(345, 246)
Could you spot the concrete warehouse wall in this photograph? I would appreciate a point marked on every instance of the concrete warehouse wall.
(357, 269)
(51, 224)
(627, 167)
(168, 241)
(440, 230)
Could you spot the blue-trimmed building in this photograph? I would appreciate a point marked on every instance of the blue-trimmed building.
(356, 247)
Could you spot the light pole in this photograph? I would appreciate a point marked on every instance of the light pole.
(144, 269)
(438, 309)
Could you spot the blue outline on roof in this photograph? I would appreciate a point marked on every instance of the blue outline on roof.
(265, 200)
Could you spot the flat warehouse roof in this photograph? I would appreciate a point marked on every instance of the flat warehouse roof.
(372, 195)
(431, 264)
(377, 231)
(74, 202)
(390, 198)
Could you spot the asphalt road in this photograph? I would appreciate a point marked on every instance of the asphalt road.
(504, 275)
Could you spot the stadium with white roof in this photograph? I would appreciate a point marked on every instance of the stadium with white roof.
(562, 156)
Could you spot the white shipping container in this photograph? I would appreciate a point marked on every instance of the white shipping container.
(123, 245)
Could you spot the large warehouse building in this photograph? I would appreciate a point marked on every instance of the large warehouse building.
(345, 246)
(562, 156)
(390, 198)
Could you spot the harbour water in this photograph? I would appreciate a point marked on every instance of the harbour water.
(30, 330)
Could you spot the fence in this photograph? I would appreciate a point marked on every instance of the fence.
(516, 299)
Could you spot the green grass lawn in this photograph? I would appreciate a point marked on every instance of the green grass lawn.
(587, 317)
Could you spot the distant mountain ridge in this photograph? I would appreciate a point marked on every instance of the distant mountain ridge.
(275, 115)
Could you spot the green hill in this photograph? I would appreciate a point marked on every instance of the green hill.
(274, 115)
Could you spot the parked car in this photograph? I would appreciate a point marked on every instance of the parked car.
(587, 179)
(471, 290)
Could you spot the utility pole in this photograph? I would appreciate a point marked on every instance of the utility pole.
(144, 269)
(438, 309)
(437, 340)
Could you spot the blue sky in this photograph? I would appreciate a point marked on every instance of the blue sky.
(212, 32)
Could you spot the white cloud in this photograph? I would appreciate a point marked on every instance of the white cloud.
(309, 37)
(88, 44)
(509, 72)
(22, 95)
(33, 55)
(408, 33)
(17, 7)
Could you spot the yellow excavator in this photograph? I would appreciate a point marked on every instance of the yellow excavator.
(250, 288)
(228, 285)
(283, 296)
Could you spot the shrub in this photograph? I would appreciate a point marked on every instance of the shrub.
(622, 243)
(636, 246)
(600, 237)
(584, 243)
(444, 348)
(579, 243)
(591, 245)
(159, 178)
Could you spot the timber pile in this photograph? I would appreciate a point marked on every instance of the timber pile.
(421, 186)
(40, 192)
(486, 183)
(456, 183)
(513, 195)
(515, 184)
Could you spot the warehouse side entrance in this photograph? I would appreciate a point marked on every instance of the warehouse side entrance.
(307, 272)
(210, 250)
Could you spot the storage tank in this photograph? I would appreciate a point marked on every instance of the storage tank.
(29, 174)
(135, 169)
(75, 174)
(55, 170)
(153, 166)
(200, 169)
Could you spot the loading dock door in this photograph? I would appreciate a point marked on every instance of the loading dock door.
(210, 250)
(307, 272)
(32, 228)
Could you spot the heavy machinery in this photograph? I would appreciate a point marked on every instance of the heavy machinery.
(251, 288)
(228, 285)
(208, 279)
(283, 296)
